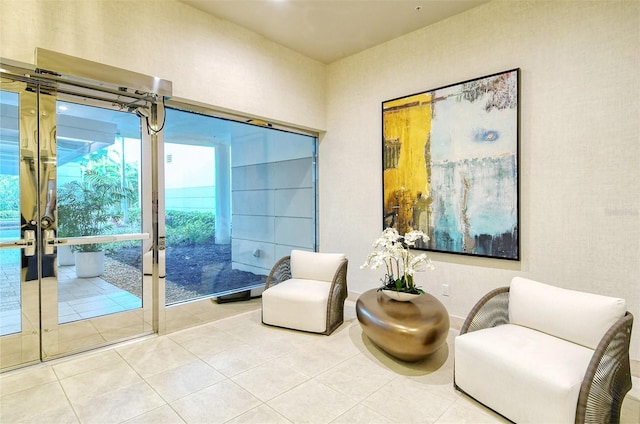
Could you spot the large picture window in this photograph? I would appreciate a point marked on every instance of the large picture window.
(238, 197)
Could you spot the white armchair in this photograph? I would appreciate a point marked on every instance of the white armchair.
(537, 353)
(306, 291)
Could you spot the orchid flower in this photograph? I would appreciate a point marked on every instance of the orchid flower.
(392, 250)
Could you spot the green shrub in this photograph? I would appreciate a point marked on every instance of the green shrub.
(189, 227)
(9, 214)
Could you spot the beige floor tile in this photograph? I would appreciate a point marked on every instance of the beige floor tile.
(630, 413)
(162, 415)
(360, 414)
(260, 415)
(269, 380)
(250, 332)
(63, 415)
(218, 403)
(184, 380)
(438, 381)
(119, 405)
(635, 388)
(236, 360)
(312, 359)
(96, 382)
(312, 402)
(252, 318)
(166, 355)
(18, 380)
(200, 331)
(356, 377)
(340, 342)
(209, 343)
(147, 344)
(74, 365)
(275, 348)
(465, 410)
(249, 328)
(287, 340)
(178, 318)
(421, 403)
(26, 404)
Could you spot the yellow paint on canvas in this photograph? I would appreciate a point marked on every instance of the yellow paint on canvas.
(408, 121)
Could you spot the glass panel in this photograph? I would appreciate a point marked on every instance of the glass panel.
(98, 193)
(10, 317)
(218, 172)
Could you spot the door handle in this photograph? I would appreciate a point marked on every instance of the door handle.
(49, 241)
(28, 243)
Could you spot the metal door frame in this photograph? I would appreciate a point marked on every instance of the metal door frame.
(38, 91)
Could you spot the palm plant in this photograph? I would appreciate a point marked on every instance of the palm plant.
(90, 207)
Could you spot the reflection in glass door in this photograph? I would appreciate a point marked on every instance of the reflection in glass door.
(70, 188)
(98, 195)
(19, 309)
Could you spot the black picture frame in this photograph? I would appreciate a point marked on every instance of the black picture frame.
(450, 158)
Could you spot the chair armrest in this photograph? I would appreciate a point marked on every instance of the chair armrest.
(337, 295)
(490, 311)
(280, 272)
(608, 377)
(339, 282)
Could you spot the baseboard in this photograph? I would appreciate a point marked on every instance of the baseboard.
(455, 322)
(352, 296)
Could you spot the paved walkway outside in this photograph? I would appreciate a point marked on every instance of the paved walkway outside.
(78, 298)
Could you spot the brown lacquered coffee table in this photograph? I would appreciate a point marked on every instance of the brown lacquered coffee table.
(406, 330)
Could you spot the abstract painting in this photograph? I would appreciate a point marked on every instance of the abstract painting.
(450, 166)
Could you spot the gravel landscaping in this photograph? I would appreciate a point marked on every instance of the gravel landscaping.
(192, 271)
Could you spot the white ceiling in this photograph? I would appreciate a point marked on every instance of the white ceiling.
(328, 30)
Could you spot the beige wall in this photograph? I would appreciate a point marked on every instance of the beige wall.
(209, 60)
(580, 143)
(580, 140)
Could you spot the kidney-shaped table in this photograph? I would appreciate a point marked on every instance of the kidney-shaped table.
(410, 330)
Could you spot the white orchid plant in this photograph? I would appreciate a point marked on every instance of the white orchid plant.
(393, 251)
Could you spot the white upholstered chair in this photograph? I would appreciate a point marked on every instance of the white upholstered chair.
(306, 291)
(536, 353)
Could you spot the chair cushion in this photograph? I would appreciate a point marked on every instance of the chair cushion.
(315, 265)
(524, 374)
(297, 303)
(571, 315)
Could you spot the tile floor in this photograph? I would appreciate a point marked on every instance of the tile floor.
(235, 370)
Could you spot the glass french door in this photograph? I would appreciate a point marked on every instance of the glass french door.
(72, 239)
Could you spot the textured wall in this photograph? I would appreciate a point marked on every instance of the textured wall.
(579, 151)
(580, 159)
(209, 60)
